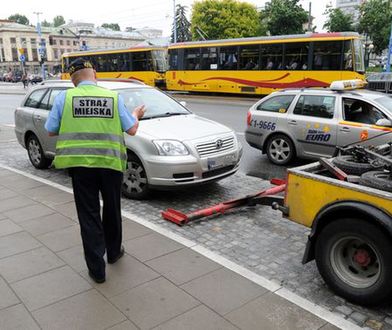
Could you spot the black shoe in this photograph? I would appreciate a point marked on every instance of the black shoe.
(112, 261)
(96, 279)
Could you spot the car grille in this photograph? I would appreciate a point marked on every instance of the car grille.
(216, 146)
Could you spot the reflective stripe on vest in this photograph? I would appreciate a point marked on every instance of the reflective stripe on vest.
(91, 152)
(90, 136)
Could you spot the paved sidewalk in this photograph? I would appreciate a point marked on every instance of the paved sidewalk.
(158, 284)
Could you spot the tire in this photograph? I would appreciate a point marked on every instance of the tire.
(135, 182)
(36, 154)
(377, 179)
(354, 258)
(280, 150)
(349, 165)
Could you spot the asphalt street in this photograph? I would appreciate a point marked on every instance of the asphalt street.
(256, 238)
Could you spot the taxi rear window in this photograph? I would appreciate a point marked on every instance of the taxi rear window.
(315, 106)
(276, 104)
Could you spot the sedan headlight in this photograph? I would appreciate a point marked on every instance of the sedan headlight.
(171, 148)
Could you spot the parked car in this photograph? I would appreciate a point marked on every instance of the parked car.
(310, 123)
(173, 147)
(35, 79)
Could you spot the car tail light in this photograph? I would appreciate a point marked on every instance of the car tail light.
(248, 118)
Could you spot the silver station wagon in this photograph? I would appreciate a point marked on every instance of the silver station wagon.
(172, 148)
(310, 123)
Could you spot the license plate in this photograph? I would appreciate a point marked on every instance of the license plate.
(222, 161)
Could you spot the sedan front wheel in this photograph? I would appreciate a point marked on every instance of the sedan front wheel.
(135, 183)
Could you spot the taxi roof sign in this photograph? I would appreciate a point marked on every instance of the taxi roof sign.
(343, 85)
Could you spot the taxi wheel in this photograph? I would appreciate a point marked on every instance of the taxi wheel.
(135, 183)
(36, 154)
(354, 257)
(280, 149)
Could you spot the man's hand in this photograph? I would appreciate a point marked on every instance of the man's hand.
(139, 111)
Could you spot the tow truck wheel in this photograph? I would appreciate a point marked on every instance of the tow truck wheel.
(354, 258)
(377, 179)
(135, 183)
(280, 149)
(350, 165)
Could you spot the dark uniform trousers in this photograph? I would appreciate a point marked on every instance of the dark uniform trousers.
(98, 233)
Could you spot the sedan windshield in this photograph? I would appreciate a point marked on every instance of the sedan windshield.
(157, 103)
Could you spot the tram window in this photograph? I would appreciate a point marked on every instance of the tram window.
(209, 59)
(228, 58)
(102, 63)
(249, 58)
(123, 62)
(296, 56)
(348, 56)
(271, 57)
(327, 55)
(192, 59)
(173, 59)
(141, 61)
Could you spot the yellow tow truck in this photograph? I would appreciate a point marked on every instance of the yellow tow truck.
(351, 228)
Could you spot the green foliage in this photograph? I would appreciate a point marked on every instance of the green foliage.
(45, 23)
(18, 18)
(182, 24)
(285, 17)
(375, 21)
(337, 20)
(111, 26)
(223, 19)
(58, 20)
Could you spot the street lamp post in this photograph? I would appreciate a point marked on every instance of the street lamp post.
(41, 48)
(174, 22)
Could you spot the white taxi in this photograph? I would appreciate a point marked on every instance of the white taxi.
(310, 122)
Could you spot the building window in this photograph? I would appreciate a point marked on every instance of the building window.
(54, 42)
(75, 43)
(55, 53)
(35, 54)
(68, 42)
(61, 42)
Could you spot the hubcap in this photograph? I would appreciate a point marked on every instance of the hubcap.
(280, 150)
(135, 179)
(355, 262)
(35, 151)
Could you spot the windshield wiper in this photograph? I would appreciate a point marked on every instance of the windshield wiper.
(169, 114)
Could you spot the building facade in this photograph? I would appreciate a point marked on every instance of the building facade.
(18, 42)
(350, 7)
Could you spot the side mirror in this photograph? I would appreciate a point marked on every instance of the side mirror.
(384, 122)
(183, 103)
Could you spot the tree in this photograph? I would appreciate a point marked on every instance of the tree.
(18, 18)
(375, 22)
(58, 20)
(45, 23)
(183, 27)
(222, 19)
(111, 26)
(338, 21)
(285, 17)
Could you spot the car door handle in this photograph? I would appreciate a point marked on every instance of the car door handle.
(345, 129)
(38, 117)
(292, 122)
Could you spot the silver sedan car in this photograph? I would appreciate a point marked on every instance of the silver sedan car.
(310, 123)
(173, 147)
